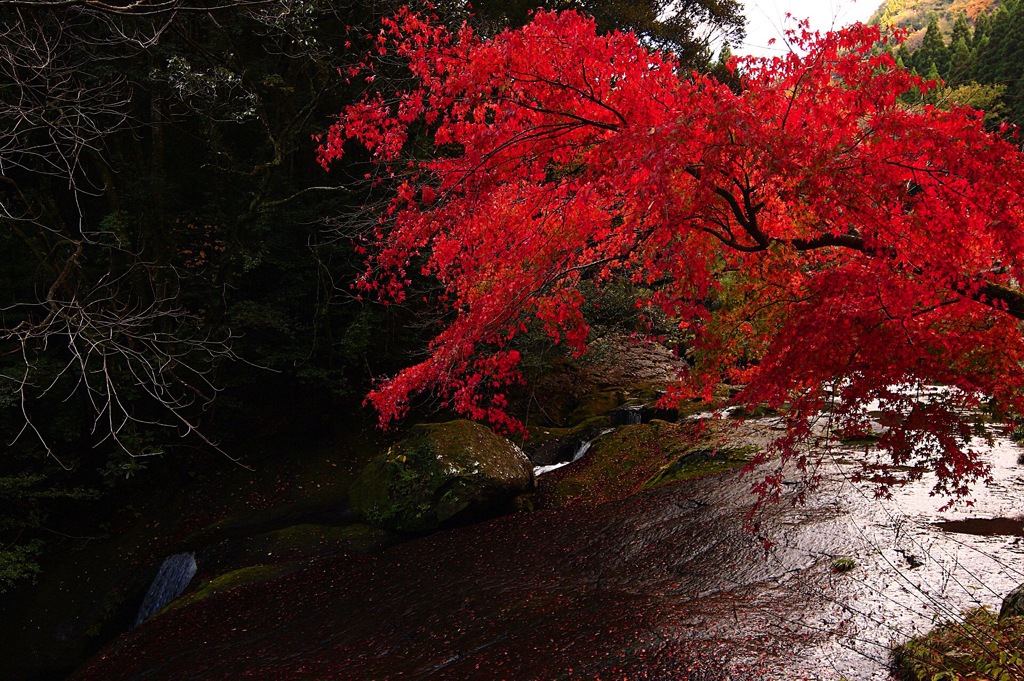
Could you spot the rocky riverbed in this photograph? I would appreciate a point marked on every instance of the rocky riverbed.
(668, 583)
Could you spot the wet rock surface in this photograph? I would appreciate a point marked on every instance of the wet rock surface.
(666, 584)
(627, 589)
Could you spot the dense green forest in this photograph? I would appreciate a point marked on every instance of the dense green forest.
(976, 49)
(176, 265)
(163, 242)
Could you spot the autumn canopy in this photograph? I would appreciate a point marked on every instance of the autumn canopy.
(818, 238)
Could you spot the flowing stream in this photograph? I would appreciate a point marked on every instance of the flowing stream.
(581, 451)
(171, 580)
(628, 415)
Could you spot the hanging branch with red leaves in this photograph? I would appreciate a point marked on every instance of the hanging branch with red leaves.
(873, 246)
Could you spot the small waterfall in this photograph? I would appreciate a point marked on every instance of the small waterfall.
(174, 575)
(580, 452)
(634, 415)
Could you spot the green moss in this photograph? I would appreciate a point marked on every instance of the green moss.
(843, 564)
(978, 647)
(438, 472)
(640, 457)
(759, 411)
(356, 537)
(540, 436)
(701, 462)
(301, 536)
(616, 464)
(647, 393)
(253, 574)
(243, 523)
(860, 440)
(698, 406)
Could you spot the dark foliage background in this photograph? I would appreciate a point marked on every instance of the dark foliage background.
(174, 265)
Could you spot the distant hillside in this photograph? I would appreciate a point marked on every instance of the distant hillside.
(914, 14)
(974, 47)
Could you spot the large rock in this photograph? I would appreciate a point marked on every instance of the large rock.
(1013, 604)
(440, 471)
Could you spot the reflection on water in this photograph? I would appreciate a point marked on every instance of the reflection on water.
(918, 564)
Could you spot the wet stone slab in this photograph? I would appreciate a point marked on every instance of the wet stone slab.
(667, 584)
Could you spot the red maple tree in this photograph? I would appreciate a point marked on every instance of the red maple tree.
(865, 247)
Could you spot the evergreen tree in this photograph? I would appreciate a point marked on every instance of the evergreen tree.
(981, 26)
(933, 50)
(720, 69)
(961, 61)
(1000, 56)
(935, 94)
(903, 57)
(961, 30)
(991, 55)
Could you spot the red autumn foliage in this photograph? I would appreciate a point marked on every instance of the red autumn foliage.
(859, 243)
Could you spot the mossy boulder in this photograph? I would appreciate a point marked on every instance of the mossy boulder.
(700, 461)
(441, 472)
(1013, 604)
(978, 645)
(323, 539)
